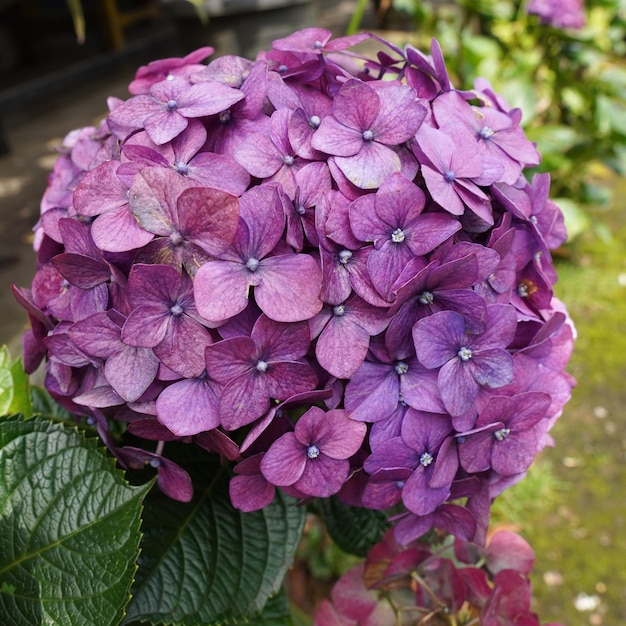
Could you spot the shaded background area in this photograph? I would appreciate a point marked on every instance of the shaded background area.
(572, 507)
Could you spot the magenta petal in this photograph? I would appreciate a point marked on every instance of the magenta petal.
(220, 290)
(250, 493)
(230, 358)
(182, 348)
(244, 400)
(188, 407)
(82, 271)
(493, 368)
(288, 342)
(286, 379)
(475, 451)
(285, 461)
(351, 596)
(258, 155)
(100, 191)
(208, 217)
(457, 386)
(437, 338)
(174, 481)
(323, 476)
(371, 166)
(418, 497)
(282, 295)
(130, 371)
(118, 231)
(507, 550)
(153, 197)
(333, 137)
(515, 453)
(163, 126)
(146, 326)
(342, 347)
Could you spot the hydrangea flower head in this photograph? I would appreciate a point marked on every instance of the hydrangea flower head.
(326, 269)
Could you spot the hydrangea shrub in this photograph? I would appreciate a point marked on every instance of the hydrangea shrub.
(326, 268)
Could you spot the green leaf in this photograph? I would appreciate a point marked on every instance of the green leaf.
(45, 405)
(355, 530)
(69, 527)
(6, 381)
(553, 138)
(205, 562)
(14, 395)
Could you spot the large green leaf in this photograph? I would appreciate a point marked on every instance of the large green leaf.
(69, 527)
(355, 530)
(14, 397)
(207, 563)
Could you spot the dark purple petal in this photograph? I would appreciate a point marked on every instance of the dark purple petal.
(457, 386)
(188, 407)
(131, 370)
(323, 476)
(285, 461)
(282, 294)
(438, 338)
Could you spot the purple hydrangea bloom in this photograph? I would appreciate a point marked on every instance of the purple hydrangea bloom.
(326, 269)
(314, 457)
(256, 259)
(367, 118)
(190, 224)
(466, 361)
(393, 219)
(505, 439)
(254, 370)
(166, 111)
(164, 317)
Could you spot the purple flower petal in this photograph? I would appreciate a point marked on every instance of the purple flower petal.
(188, 407)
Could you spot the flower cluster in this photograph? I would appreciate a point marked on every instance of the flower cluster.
(454, 583)
(327, 268)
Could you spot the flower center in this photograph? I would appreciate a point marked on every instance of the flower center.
(339, 310)
(288, 160)
(367, 135)
(314, 121)
(486, 132)
(426, 297)
(261, 366)
(252, 264)
(171, 104)
(176, 238)
(502, 434)
(176, 310)
(345, 256)
(182, 168)
(399, 484)
(225, 116)
(449, 176)
(426, 459)
(317, 45)
(313, 452)
(465, 354)
(401, 368)
(398, 236)
(300, 210)
(526, 288)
